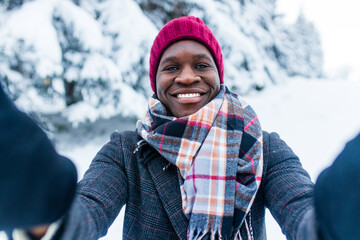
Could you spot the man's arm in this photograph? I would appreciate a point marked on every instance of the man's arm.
(337, 195)
(37, 185)
(288, 187)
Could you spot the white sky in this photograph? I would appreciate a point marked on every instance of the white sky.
(339, 25)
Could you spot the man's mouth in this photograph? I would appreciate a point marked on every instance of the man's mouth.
(187, 95)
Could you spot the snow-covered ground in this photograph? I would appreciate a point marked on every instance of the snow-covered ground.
(315, 117)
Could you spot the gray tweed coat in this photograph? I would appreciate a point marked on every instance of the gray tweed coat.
(125, 172)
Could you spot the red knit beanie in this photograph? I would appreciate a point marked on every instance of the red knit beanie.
(184, 28)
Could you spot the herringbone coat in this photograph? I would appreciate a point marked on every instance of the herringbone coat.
(124, 172)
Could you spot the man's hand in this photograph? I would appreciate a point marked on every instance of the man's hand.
(39, 231)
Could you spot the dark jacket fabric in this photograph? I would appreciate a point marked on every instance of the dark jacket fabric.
(337, 196)
(128, 171)
(37, 185)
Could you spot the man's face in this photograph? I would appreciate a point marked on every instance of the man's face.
(187, 78)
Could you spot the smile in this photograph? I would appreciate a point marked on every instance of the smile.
(188, 95)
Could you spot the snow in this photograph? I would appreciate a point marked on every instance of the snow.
(56, 41)
(338, 28)
(84, 27)
(316, 118)
(134, 30)
(130, 103)
(308, 113)
(25, 24)
(99, 67)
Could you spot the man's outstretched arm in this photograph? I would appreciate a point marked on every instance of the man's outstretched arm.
(37, 185)
(337, 196)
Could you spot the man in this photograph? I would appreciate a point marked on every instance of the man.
(198, 165)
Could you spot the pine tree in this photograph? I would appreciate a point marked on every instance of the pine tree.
(11, 4)
(300, 52)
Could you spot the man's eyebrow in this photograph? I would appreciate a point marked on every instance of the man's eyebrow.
(199, 56)
(168, 59)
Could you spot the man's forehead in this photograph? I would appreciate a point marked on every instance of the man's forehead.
(196, 49)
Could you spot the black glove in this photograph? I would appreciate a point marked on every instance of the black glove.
(36, 184)
(337, 195)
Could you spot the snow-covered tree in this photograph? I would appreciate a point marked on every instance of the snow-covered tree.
(64, 56)
(161, 12)
(11, 4)
(303, 47)
(79, 40)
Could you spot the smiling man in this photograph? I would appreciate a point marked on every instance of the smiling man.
(187, 78)
(198, 165)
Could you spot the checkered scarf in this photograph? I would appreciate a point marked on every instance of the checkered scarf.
(218, 152)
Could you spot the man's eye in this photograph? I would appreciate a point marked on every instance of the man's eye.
(170, 68)
(199, 66)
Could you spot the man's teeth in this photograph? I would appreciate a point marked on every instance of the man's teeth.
(188, 95)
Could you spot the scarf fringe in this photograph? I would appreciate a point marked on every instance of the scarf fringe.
(196, 234)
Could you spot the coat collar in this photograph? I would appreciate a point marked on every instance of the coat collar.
(166, 182)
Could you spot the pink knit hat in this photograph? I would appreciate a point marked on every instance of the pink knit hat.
(183, 28)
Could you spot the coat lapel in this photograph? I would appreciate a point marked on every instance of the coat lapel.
(167, 184)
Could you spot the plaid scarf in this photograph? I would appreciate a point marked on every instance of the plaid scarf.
(218, 152)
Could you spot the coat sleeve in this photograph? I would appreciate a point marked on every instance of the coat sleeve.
(37, 185)
(288, 189)
(100, 196)
(337, 195)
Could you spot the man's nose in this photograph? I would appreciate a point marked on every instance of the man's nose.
(187, 76)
